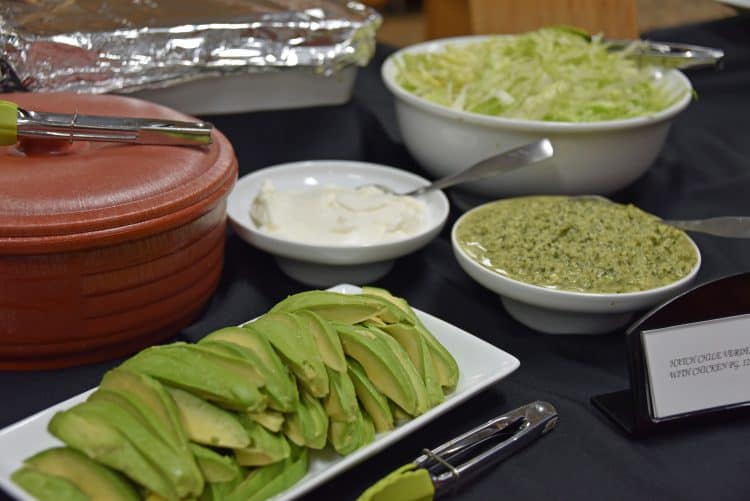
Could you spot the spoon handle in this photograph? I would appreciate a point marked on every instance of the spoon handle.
(504, 162)
(727, 226)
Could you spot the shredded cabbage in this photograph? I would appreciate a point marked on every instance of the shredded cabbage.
(552, 74)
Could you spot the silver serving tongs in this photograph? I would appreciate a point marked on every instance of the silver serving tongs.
(437, 471)
(76, 127)
(668, 54)
(516, 429)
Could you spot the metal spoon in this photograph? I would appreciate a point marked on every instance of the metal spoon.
(723, 226)
(506, 161)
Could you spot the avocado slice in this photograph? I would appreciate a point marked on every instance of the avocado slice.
(280, 386)
(411, 372)
(206, 423)
(94, 480)
(102, 442)
(381, 365)
(294, 468)
(374, 403)
(175, 467)
(270, 420)
(297, 346)
(445, 364)
(399, 414)
(369, 430)
(309, 425)
(327, 340)
(265, 447)
(215, 467)
(346, 437)
(46, 487)
(152, 401)
(341, 402)
(229, 382)
(420, 355)
(280, 383)
(347, 308)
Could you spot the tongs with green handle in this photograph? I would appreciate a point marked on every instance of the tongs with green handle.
(18, 123)
(437, 471)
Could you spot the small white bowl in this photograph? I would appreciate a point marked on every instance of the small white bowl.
(590, 157)
(326, 265)
(554, 311)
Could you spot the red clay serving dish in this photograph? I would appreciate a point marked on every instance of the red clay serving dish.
(106, 248)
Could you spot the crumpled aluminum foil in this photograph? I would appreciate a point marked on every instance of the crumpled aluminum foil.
(97, 46)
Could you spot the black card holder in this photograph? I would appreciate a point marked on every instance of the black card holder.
(631, 409)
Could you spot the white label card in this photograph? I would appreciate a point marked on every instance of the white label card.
(698, 366)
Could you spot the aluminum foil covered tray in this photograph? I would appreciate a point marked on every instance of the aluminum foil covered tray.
(207, 56)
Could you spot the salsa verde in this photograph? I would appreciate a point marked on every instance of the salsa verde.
(578, 244)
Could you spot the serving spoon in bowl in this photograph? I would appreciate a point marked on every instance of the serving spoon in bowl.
(721, 226)
(509, 160)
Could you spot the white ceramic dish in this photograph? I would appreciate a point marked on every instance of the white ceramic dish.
(326, 265)
(481, 365)
(555, 311)
(742, 6)
(591, 157)
(272, 90)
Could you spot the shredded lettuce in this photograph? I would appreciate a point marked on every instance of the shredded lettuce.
(551, 74)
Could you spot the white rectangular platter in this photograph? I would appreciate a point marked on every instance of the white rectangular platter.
(480, 363)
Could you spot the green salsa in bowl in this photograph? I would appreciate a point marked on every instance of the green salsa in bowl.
(573, 264)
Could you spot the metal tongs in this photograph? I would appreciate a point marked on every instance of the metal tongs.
(668, 54)
(437, 471)
(18, 123)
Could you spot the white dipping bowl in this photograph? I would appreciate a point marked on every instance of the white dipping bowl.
(590, 157)
(555, 311)
(326, 265)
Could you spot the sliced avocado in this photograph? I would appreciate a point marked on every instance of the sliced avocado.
(94, 480)
(445, 364)
(411, 372)
(280, 382)
(255, 481)
(381, 365)
(368, 430)
(208, 424)
(347, 308)
(218, 491)
(214, 466)
(270, 420)
(346, 437)
(280, 386)
(102, 442)
(46, 487)
(374, 403)
(297, 346)
(152, 401)
(309, 425)
(420, 355)
(265, 447)
(341, 402)
(293, 469)
(227, 381)
(327, 340)
(175, 467)
(399, 414)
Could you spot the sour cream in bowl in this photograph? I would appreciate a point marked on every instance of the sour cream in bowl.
(325, 223)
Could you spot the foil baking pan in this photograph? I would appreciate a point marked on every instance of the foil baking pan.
(177, 51)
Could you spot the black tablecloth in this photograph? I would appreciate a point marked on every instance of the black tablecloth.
(703, 170)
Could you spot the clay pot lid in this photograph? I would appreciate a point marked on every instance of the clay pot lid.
(99, 193)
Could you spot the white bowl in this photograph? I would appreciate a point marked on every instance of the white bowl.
(555, 311)
(590, 157)
(325, 265)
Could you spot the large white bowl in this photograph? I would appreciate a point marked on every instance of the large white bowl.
(590, 157)
(325, 265)
(555, 311)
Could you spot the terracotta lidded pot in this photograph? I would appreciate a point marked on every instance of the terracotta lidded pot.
(105, 248)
